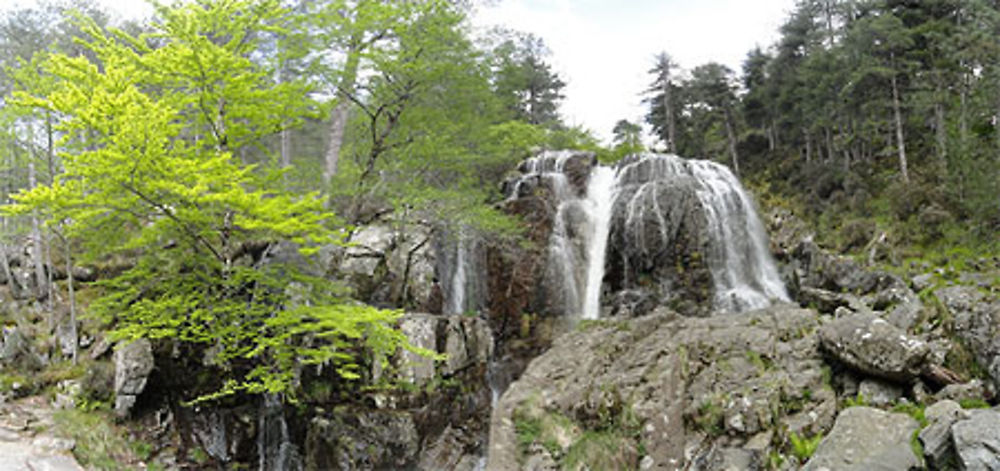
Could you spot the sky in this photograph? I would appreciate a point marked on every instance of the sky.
(603, 49)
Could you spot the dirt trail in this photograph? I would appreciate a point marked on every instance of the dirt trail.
(26, 439)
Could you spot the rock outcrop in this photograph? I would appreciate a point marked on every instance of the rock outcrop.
(133, 364)
(872, 346)
(976, 321)
(865, 439)
(681, 390)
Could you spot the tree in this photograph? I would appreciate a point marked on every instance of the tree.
(712, 85)
(662, 88)
(525, 83)
(162, 114)
(627, 138)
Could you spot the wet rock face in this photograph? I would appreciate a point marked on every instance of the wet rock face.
(864, 438)
(658, 244)
(873, 346)
(678, 386)
(133, 364)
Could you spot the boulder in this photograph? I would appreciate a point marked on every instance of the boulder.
(680, 386)
(873, 346)
(133, 364)
(977, 440)
(352, 439)
(976, 320)
(939, 452)
(864, 438)
(879, 393)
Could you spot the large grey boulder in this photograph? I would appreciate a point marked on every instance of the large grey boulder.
(133, 364)
(866, 439)
(977, 440)
(976, 320)
(939, 451)
(872, 346)
(680, 386)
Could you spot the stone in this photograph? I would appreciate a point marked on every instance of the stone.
(939, 452)
(879, 393)
(922, 282)
(421, 330)
(864, 438)
(977, 440)
(133, 364)
(17, 352)
(691, 384)
(873, 346)
(361, 439)
(974, 389)
(977, 322)
(448, 451)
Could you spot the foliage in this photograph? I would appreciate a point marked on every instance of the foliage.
(804, 447)
(150, 125)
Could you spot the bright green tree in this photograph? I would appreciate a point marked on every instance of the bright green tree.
(160, 116)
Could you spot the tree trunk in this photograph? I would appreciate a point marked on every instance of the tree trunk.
(809, 149)
(940, 136)
(901, 143)
(341, 112)
(668, 112)
(72, 298)
(37, 251)
(731, 137)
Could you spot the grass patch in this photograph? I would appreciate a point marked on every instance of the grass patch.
(100, 444)
(804, 447)
(973, 404)
(913, 410)
(609, 449)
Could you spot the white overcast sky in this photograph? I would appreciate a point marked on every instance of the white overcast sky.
(604, 48)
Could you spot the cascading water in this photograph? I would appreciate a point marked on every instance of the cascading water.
(456, 304)
(743, 273)
(598, 205)
(634, 200)
(275, 450)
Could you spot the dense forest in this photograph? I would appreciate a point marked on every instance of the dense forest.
(878, 116)
(196, 184)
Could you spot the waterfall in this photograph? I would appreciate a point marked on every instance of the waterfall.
(641, 193)
(275, 450)
(598, 204)
(458, 280)
(743, 272)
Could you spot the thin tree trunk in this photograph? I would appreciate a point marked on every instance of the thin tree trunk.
(901, 143)
(341, 112)
(940, 136)
(72, 298)
(36, 240)
(668, 112)
(731, 136)
(808, 148)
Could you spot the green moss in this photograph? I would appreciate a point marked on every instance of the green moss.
(916, 446)
(973, 404)
(913, 410)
